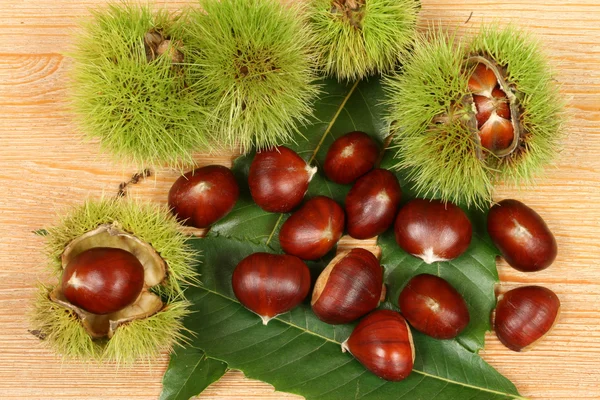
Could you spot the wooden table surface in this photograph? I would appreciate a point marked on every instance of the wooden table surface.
(44, 167)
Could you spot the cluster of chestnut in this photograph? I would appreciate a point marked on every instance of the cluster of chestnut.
(351, 286)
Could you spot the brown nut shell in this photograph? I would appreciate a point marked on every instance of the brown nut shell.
(350, 156)
(434, 307)
(278, 179)
(382, 342)
(270, 284)
(348, 288)
(372, 203)
(103, 280)
(525, 315)
(203, 196)
(493, 109)
(313, 230)
(432, 230)
(522, 236)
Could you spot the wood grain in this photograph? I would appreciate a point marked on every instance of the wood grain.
(44, 167)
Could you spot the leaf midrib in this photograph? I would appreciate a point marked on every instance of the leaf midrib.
(339, 344)
(187, 379)
(204, 357)
(273, 231)
(318, 147)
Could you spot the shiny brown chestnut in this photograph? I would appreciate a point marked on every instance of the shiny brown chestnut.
(432, 230)
(348, 288)
(350, 156)
(496, 131)
(279, 179)
(103, 280)
(521, 235)
(525, 315)
(270, 284)
(434, 307)
(372, 203)
(313, 230)
(203, 196)
(383, 343)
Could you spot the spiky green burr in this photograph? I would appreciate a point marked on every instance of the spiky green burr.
(129, 90)
(432, 114)
(252, 61)
(542, 106)
(358, 38)
(149, 227)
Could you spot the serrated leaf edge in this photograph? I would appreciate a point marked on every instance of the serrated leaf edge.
(314, 153)
(204, 357)
(512, 396)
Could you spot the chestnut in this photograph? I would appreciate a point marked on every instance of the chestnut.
(348, 288)
(270, 284)
(382, 342)
(279, 179)
(350, 156)
(313, 230)
(521, 235)
(496, 130)
(434, 307)
(432, 230)
(525, 315)
(103, 280)
(203, 196)
(372, 203)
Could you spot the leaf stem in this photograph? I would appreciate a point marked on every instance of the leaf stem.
(316, 150)
(333, 120)
(274, 229)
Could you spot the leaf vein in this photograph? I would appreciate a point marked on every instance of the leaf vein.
(296, 359)
(414, 370)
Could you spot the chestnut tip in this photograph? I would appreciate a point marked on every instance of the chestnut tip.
(310, 171)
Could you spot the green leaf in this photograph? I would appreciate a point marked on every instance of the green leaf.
(40, 232)
(473, 274)
(341, 109)
(297, 352)
(190, 372)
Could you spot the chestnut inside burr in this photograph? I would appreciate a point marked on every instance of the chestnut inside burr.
(352, 10)
(494, 107)
(156, 44)
(103, 280)
(130, 301)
